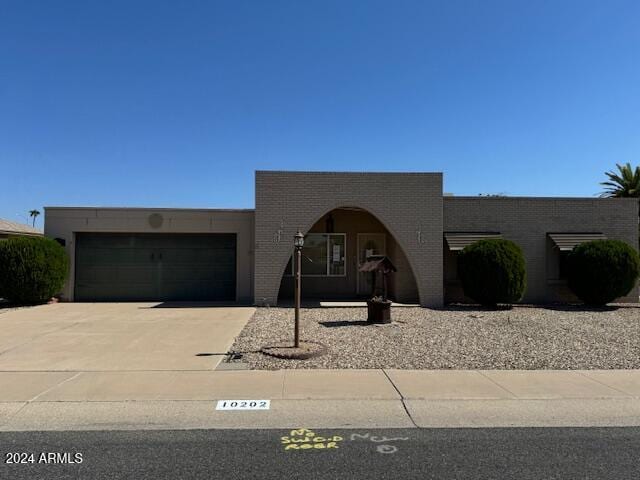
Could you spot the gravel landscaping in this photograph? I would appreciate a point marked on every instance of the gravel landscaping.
(524, 337)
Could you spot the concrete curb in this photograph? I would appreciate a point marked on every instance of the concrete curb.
(318, 398)
(286, 414)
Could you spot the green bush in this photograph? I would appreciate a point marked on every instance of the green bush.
(600, 271)
(32, 269)
(492, 271)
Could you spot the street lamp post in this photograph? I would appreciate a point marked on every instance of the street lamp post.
(298, 243)
(300, 350)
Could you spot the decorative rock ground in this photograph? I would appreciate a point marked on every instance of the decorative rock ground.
(525, 337)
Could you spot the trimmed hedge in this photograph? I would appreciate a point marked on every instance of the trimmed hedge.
(600, 271)
(493, 271)
(32, 269)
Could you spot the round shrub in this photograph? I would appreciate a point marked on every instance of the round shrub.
(492, 271)
(32, 269)
(600, 271)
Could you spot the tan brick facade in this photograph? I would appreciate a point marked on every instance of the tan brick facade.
(409, 205)
(527, 221)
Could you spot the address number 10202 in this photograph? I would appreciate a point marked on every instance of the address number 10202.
(243, 405)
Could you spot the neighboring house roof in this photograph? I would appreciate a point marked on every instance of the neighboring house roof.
(14, 228)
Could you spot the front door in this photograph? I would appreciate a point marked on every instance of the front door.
(368, 244)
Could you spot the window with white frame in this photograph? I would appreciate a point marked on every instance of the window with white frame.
(323, 255)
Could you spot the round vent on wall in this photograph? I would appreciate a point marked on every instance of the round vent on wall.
(155, 220)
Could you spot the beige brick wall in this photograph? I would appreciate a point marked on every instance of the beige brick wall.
(527, 221)
(65, 222)
(409, 205)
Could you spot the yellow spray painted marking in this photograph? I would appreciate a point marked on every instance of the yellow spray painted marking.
(305, 439)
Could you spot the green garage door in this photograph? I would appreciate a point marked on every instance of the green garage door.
(155, 267)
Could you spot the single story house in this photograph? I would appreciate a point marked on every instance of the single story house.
(244, 256)
(13, 229)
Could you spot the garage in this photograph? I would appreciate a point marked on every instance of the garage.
(155, 267)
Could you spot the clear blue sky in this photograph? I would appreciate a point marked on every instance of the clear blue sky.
(177, 103)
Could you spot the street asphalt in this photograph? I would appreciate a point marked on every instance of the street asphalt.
(501, 453)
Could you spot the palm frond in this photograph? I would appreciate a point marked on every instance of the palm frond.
(624, 183)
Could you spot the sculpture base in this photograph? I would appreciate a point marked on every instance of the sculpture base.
(378, 312)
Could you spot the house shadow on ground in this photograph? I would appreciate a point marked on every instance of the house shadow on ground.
(178, 304)
(345, 323)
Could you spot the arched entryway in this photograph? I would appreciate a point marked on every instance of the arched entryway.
(335, 246)
(409, 205)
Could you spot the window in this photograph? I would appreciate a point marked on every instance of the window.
(314, 255)
(336, 257)
(562, 265)
(559, 246)
(323, 255)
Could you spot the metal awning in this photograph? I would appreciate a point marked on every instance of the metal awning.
(459, 240)
(565, 242)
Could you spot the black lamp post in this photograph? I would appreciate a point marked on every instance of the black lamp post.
(298, 243)
(299, 350)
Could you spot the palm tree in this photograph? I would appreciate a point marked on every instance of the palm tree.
(626, 183)
(34, 214)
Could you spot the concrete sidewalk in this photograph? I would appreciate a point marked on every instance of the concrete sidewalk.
(318, 398)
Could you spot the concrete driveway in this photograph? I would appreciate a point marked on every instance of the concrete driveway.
(117, 336)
